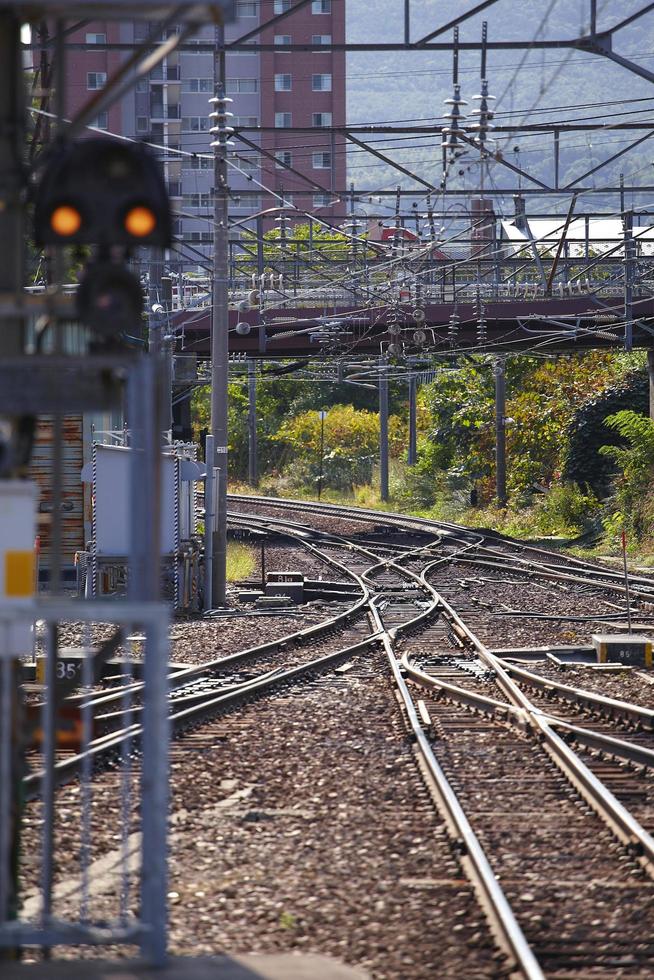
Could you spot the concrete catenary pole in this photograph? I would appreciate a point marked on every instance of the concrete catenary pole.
(253, 468)
(629, 268)
(383, 429)
(412, 455)
(220, 324)
(500, 431)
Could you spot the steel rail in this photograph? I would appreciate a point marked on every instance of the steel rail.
(502, 711)
(68, 768)
(209, 704)
(607, 744)
(621, 822)
(492, 899)
(598, 702)
(177, 678)
(446, 527)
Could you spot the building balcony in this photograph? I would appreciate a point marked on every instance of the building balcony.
(161, 74)
(159, 112)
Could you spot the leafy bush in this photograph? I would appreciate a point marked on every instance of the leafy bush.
(565, 509)
(351, 446)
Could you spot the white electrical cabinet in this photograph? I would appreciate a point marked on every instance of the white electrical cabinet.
(111, 504)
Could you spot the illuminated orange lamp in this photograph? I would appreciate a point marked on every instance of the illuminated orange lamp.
(65, 220)
(140, 221)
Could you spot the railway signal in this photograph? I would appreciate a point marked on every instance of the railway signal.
(109, 299)
(100, 192)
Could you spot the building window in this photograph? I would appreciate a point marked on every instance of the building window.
(241, 86)
(244, 121)
(321, 200)
(197, 163)
(101, 121)
(197, 85)
(197, 200)
(281, 6)
(283, 120)
(95, 80)
(282, 83)
(195, 124)
(282, 41)
(249, 203)
(321, 161)
(321, 6)
(284, 158)
(321, 83)
(237, 54)
(287, 199)
(142, 85)
(141, 124)
(246, 9)
(96, 38)
(320, 40)
(321, 119)
(248, 163)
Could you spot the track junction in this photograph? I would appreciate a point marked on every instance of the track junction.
(535, 809)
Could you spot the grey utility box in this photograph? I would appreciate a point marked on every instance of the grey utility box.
(632, 649)
(289, 584)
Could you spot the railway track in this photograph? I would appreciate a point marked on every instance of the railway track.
(537, 800)
(536, 803)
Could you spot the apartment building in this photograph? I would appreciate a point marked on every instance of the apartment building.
(276, 88)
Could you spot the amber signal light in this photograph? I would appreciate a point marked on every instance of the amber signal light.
(140, 221)
(65, 220)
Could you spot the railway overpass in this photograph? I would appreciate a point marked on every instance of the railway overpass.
(564, 324)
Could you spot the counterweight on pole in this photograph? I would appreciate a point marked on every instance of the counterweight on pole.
(220, 324)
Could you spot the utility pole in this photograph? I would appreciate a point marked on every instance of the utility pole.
(629, 255)
(322, 415)
(383, 429)
(500, 431)
(12, 134)
(220, 323)
(253, 474)
(412, 454)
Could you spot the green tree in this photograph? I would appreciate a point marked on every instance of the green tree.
(635, 504)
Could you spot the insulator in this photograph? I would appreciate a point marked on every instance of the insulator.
(453, 329)
(243, 328)
(419, 337)
(394, 329)
(456, 100)
(419, 316)
(395, 350)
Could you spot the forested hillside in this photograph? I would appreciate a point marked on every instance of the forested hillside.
(398, 87)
